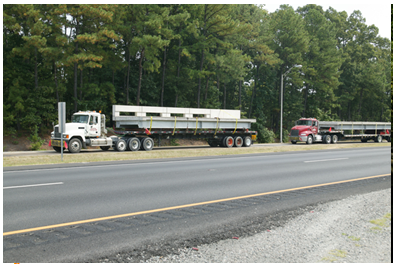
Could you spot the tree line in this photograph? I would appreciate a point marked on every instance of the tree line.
(205, 56)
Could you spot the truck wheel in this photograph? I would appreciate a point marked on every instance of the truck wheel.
(147, 144)
(74, 146)
(57, 149)
(294, 142)
(309, 139)
(379, 139)
(105, 148)
(327, 139)
(363, 140)
(134, 144)
(238, 141)
(334, 139)
(229, 142)
(121, 145)
(247, 141)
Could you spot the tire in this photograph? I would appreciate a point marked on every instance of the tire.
(134, 144)
(334, 139)
(74, 146)
(378, 139)
(327, 139)
(309, 139)
(121, 145)
(363, 140)
(147, 144)
(57, 149)
(238, 141)
(229, 142)
(247, 141)
(105, 148)
(223, 141)
(294, 142)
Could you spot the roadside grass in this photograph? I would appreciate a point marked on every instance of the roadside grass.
(335, 253)
(173, 153)
(381, 222)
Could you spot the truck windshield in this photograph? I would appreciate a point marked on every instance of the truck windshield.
(304, 122)
(78, 118)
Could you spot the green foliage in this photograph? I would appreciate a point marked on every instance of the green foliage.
(218, 56)
(285, 134)
(36, 141)
(174, 142)
(264, 135)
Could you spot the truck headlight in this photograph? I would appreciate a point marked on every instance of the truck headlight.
(303, 134)
(65, 136)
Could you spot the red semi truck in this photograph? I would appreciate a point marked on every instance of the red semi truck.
(311, 130)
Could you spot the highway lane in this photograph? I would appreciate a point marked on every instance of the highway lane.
(43, 197)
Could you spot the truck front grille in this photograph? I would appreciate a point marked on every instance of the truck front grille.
(294, 133)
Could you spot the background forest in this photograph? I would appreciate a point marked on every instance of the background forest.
(205, 56)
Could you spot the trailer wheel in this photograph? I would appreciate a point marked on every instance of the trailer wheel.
(223, 141)
(238, 141)
(147, 144)
(294, 142)
(309, 139)
(229, 142)
(120, 145)
(363, 140)
(134, 144)
(105, 148)
(74, 146)
(57, 149)
(327, 139)
(378, 139)
(247, 141)
(334, 139)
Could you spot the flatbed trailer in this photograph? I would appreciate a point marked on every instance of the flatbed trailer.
(311, 130)
(136, 127)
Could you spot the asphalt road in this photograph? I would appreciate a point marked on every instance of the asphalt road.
(58, 196)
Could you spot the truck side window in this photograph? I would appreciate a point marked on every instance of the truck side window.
(93, 120)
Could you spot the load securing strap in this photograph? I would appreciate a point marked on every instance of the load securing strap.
(216, 126)
(196, 126)
(151, 123)
(174, 127)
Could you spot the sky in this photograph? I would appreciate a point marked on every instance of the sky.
(375, 12)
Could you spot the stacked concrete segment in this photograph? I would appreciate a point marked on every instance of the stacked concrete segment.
(181, 118)
(345, 125)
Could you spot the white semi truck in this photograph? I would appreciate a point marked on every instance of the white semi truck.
(138, 126)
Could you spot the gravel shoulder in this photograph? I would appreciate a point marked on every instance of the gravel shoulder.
(353, 230)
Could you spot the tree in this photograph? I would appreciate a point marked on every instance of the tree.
(290, 43)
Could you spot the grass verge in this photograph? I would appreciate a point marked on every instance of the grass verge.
(156, 154)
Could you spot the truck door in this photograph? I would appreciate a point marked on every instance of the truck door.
(314, 127)
(93, 127)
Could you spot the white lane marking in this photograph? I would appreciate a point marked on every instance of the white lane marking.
(324, 160)
(32, 185)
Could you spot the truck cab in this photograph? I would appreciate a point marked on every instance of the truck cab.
(86, 128)
(305, 130)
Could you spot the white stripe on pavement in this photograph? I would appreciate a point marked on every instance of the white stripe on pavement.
(324, 160)
(33, 185)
